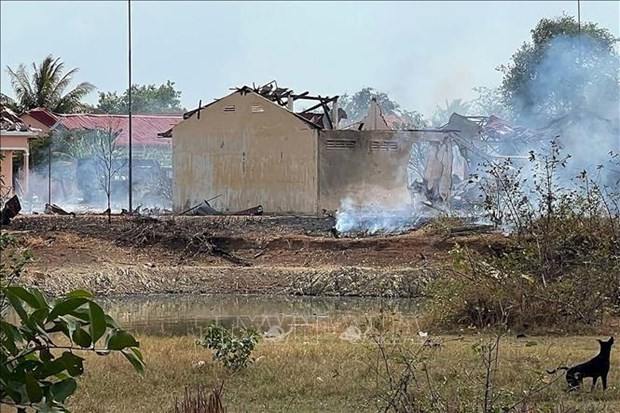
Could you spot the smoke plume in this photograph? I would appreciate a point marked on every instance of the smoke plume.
(574, 95)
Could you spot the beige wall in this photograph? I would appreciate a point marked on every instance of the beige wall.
(33, 123)
(14, 142)
(8, 145)
(366, 166)
(248, 157)
(6, 171)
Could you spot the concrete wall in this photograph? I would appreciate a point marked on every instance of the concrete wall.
(250, 151)
(9, 145)
(366, 166)
(33, 123)
(6, 173)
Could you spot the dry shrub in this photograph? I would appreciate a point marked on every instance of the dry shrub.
(563, 267)
(199, 402)
(482, 292)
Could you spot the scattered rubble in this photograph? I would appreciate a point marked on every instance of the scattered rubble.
(205, 209)
(55, 209)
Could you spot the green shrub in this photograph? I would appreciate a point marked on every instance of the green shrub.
(232, 349)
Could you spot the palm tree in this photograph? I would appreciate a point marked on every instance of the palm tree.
(442, 115)
(46, 88)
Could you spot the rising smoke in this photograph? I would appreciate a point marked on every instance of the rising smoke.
(373, 217)
(574, 95)
(80, 167)
(391, 208)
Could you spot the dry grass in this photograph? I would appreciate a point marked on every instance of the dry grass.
(324, 373)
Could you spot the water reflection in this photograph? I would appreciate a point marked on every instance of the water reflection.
(273, 316)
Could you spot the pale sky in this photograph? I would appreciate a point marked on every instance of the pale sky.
(421, 53)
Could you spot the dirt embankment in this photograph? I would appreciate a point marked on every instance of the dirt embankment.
(264, 255)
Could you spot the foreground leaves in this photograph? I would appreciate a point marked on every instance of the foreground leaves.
(36, 371)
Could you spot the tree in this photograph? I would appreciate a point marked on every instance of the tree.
(564, 68)
(442, 114)
(38, 369)
(144, 99)
(357, 105)
(109, 160)
(488, 102)
(47, 87)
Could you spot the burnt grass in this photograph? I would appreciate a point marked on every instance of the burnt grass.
(189, 235)
(220, 235)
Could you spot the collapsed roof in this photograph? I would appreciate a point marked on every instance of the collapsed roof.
(10, 122)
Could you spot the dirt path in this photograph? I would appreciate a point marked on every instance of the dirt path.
(271, 255)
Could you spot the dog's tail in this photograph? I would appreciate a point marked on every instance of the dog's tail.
(557, 369)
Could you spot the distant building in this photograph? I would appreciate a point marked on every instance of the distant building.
(15, 138)
(72, 177)
(144, 127)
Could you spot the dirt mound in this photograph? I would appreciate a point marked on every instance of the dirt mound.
(291, 255)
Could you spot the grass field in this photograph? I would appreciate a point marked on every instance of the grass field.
(324, 373)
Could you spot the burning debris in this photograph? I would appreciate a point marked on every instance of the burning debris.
(356, 220)
(469, 141)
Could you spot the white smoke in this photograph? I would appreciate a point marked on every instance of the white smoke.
(575, 94)
(80, 189)
(374, 218)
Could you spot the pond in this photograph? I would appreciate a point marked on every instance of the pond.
(190, 314)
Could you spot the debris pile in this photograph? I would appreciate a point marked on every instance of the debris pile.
(205, 209)
(148, 231)
(54, 209)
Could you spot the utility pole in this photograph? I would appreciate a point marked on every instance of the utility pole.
(579, 17)
(130, 109)
(49, 169)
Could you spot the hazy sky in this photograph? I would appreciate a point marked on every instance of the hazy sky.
(421, 53)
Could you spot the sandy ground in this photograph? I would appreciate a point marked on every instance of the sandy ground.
(271, 255)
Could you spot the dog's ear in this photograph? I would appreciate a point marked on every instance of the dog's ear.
(611, 340)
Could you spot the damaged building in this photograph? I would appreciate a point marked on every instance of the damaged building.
(15, 137)
(252, 148)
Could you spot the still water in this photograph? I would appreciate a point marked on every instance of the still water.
(191, 314)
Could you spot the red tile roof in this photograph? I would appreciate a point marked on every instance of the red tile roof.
(144, 127)
(44, 116)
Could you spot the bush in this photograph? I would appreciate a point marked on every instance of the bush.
(232, 349)
(561, 267)
(405, 376)
(199, 402)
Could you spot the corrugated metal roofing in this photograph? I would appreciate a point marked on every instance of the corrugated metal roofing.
(44, 116)
(144, 127)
